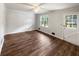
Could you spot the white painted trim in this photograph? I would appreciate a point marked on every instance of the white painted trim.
(51, 34)
(1, 45)
(58, 37)
(18, 32)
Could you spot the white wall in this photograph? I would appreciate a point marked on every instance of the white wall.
(19, 21)
(56, 22)
(2, 24)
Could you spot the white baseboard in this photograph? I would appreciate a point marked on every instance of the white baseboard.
(1, 44)
(51, 34)
(17, 32)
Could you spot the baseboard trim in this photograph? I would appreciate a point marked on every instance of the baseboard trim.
(45, 34)
(1, 45)
(17, 32)
(56, 37)
(48, 34)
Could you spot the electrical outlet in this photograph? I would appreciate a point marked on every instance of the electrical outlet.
(53, 33)
(38, 28)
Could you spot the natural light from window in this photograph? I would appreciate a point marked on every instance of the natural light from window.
(71, 21)
(44, 21)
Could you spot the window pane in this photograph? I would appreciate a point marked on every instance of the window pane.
(71, 21)
(44, 21)
(74, 16)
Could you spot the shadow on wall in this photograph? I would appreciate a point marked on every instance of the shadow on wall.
(73, 38)
(23, 28)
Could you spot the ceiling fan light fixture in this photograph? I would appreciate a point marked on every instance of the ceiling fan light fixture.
(36, 9)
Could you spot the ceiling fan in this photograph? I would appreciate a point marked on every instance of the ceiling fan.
(36, 7)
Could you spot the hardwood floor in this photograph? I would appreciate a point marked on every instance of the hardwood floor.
(35, 43)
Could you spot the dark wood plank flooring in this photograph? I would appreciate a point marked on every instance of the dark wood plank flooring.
(35, 43)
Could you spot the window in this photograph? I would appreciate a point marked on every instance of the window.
(44, 21)
(71, 21)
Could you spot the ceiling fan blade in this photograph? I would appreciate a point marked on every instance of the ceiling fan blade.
(27, 5)
(41, 4)
(44, 8)
(32, 4)
(35, 4)
(35, 7)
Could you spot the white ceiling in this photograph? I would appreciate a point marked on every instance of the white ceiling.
(44, 7)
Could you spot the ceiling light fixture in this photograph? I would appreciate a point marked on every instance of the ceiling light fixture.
(36, 9)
